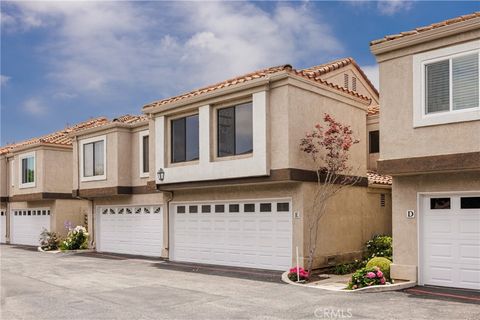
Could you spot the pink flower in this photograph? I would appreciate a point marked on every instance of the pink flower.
(382, 281)
(371, 275)
(379, 273)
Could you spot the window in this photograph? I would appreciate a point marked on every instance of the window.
(374, 141)
(446, 85)
(93, 159)
(233, 208)
(470, 202)
(452, 84)
(27, 170)
(219, 208)
(192, 209)
(235, 130)
(180, 209)
(144, 153)
(206, 208)
(249, 207)
(283, 206)
(265, 207)
(185, 139)
(439, 203)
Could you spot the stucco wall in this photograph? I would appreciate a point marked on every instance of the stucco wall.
(74, 211)
(353, 216)
(399, 139)
(57, 170)
(405, 235)
(3, 177)
(307, 108)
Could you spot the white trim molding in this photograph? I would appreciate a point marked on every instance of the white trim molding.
(142, 134)
(81, 160)
(420, 118)
(207, 167)
(22, 185)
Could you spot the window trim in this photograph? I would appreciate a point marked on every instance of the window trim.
(420, 117)
(81, 159)
(141, 135)
(22, 185)
(216, 110)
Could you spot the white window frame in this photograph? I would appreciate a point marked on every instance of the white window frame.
(142, 134)
(81, 162)
(420, 117)
(22, 185)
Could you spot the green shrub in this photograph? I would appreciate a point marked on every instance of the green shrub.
(382, 263)
(49, 240)
(77, 238)
(350, 267)
(366, 277)
(379, 246)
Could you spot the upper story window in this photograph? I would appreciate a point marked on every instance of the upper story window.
(452, 84)
(27, 170)
(446, 85)
(374, 141)
(185, 139)
(235, 130)
(93, 158)
(144, 153)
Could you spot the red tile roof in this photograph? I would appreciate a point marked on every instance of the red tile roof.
(373, 110)
(130, 119)
(61, 137)
(475, 15)
(311, 74)
(375, 178)
(337, 64)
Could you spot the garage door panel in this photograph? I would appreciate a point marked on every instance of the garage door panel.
(134, 230)
(451, 245)
(26, 225)
(247, 239)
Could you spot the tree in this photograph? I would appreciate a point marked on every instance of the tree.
(329, 148)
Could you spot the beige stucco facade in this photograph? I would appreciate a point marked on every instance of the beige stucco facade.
(403, 140)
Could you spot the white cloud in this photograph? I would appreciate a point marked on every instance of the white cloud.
(34, 107)
(110, 47)
(384, 7)
(372, 74)
(391, 7)
(4, 80)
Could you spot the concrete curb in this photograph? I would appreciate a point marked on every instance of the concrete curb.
(378, 288)
(65, 251)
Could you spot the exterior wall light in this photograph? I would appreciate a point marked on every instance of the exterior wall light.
(161, 174)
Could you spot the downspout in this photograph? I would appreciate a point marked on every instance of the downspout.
(168, 196)
(77, 196)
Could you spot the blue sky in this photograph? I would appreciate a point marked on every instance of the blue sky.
(62, 63)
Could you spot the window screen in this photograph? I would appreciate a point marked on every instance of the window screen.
(437, 85)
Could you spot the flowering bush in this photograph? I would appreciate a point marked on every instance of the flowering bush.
(382, 263)
(49, 240)
(367, 277)
(293, 276)
(77, 238)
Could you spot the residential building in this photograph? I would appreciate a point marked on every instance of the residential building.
(238, 190)
(430, 144)
(35, 187)
(112, 168)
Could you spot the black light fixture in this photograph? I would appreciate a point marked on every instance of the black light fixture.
(161, 174)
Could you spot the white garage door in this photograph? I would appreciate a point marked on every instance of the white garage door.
(27, 224)
(3, 227)
(136, 230)
(256, 234)
(451, 241)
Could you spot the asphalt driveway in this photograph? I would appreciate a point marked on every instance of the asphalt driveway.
(37, 285)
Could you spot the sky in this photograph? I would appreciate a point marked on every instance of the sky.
(66, 62)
